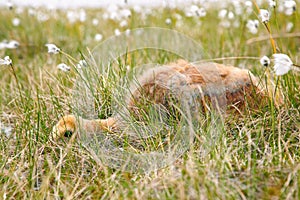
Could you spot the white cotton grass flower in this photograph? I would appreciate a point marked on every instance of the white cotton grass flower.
(52, 48)
(227, 19)
(95, 21)
(125, 13)
(230, 15)
(72, 16)
(81, 64)
(19, 10)
(264, 15)
(16, 21)
(249, 7)
(290, 7)
(116, 13)
(168, 21)
(6, 61)
(137, 9)
(82, 15)
(290, 4)
(265, 61)
(63, 67)
(248, 3)
(114, 16)
(283, 64)
(238, 7)
(13, 44)
(272, 3)
(252, 26)
(42, 16)
(2, 45)
(127, 32)
(201, 12)
(289, 26)
(105, 16)
(117, 32)
(98, 37)
(31, 12)
(195, 11)
(123, 23)
(191, 11)
(9, 5)
(222, 13)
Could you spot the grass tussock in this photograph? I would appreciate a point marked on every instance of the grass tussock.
(254, 156)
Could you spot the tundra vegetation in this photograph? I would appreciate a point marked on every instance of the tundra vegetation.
(255, 156)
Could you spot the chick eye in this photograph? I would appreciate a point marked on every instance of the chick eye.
(68, 134)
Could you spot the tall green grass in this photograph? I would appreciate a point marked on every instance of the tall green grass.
(255, 156)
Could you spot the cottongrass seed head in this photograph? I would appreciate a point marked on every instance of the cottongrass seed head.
(63, 67)
(52, 48)
(6, 61)
(265, 61)
(264, 15)
(81, 64)
(252, 26)
(283, 64)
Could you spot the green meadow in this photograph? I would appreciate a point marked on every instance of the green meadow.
(256, 155)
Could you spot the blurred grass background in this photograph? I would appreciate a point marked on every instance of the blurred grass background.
(257, 157)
